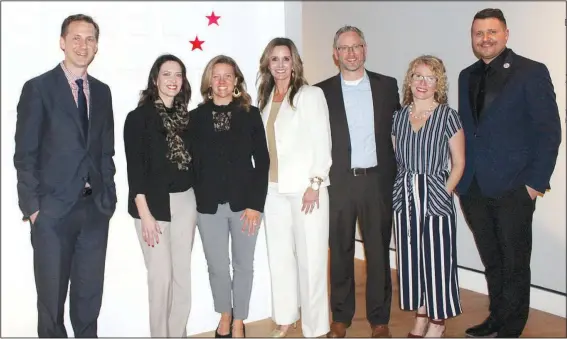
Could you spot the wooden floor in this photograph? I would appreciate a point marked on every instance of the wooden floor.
(475, 305)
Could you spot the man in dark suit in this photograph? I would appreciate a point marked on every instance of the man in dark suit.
(512, 129)
(361, 105)
(64, 149)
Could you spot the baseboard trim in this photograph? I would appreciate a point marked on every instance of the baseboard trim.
(540, 299)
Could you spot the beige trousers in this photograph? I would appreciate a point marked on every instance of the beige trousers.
(169, 268)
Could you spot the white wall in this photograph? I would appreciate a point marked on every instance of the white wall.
(293, 23)
(132, 36)
(397, 32)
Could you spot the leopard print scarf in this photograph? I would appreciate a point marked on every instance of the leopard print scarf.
(174, 124)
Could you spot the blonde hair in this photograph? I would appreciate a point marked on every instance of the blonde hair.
(438, 68)
(244, 101)
(265, 80)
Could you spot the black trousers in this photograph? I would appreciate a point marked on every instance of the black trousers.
(71, 248)
(363, 200)
(502, 229)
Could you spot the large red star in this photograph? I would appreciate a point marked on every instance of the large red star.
(213, 19)
(196, 43)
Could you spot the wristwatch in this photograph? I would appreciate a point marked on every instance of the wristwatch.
(315, 183)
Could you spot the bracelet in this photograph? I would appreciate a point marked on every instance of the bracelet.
(317, 181)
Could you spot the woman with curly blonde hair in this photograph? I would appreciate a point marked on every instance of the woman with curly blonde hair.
(426, 134)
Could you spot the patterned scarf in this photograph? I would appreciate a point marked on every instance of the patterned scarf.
(174, 124)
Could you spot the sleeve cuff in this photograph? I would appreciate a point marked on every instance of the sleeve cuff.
(31, 208)
(538, 187)
(256, 206)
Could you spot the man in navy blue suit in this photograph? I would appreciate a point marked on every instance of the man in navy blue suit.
(512, 128)
(63, 158)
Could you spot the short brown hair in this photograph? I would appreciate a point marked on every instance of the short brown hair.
(78, 17)
(489, 13)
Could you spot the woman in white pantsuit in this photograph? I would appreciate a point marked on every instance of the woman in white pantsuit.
(296, 119)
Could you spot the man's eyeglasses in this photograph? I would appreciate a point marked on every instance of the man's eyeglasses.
(354, 48)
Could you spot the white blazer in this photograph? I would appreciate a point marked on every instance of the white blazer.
(303, 139)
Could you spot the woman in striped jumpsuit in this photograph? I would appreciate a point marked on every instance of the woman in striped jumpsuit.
(426, 134)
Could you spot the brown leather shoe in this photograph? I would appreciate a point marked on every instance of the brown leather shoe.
(338, 330)
(381, 331)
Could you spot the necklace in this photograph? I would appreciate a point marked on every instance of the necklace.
(423, 115)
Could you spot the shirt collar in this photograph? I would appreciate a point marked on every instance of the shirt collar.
(497, 63)
(364, 78)
(71, 76)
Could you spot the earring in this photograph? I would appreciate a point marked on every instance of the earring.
(236, 92)
(210, 95)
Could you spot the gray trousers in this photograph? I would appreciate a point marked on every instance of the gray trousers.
(214, 230)
(169, 268)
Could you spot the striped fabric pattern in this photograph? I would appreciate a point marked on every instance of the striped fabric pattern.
(425, 152)
(424, 214)
(426, 255)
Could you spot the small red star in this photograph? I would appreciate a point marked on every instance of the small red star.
(213, 19)
(196, 43)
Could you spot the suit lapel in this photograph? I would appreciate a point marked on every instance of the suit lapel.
(66, 99)
(507, 70)
(285, 112)
(473, 86)
(338, 114)
(377, 103)
(268, 108)
(466, 102)
(283, 122)
(95, 102)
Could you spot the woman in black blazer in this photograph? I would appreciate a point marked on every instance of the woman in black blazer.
(231, 181)
(161, 197)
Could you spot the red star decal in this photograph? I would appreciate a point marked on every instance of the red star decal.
(213, 19)
(196, 43)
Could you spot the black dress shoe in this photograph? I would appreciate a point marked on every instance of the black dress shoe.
(487, 329)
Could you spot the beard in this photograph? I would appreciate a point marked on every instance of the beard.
(352, 67)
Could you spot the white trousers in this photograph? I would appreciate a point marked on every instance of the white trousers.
(297, 246)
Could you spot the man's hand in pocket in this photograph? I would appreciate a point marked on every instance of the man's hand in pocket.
(533, 193)
(33, 217)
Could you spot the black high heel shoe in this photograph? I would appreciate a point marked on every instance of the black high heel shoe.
(229, 335)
